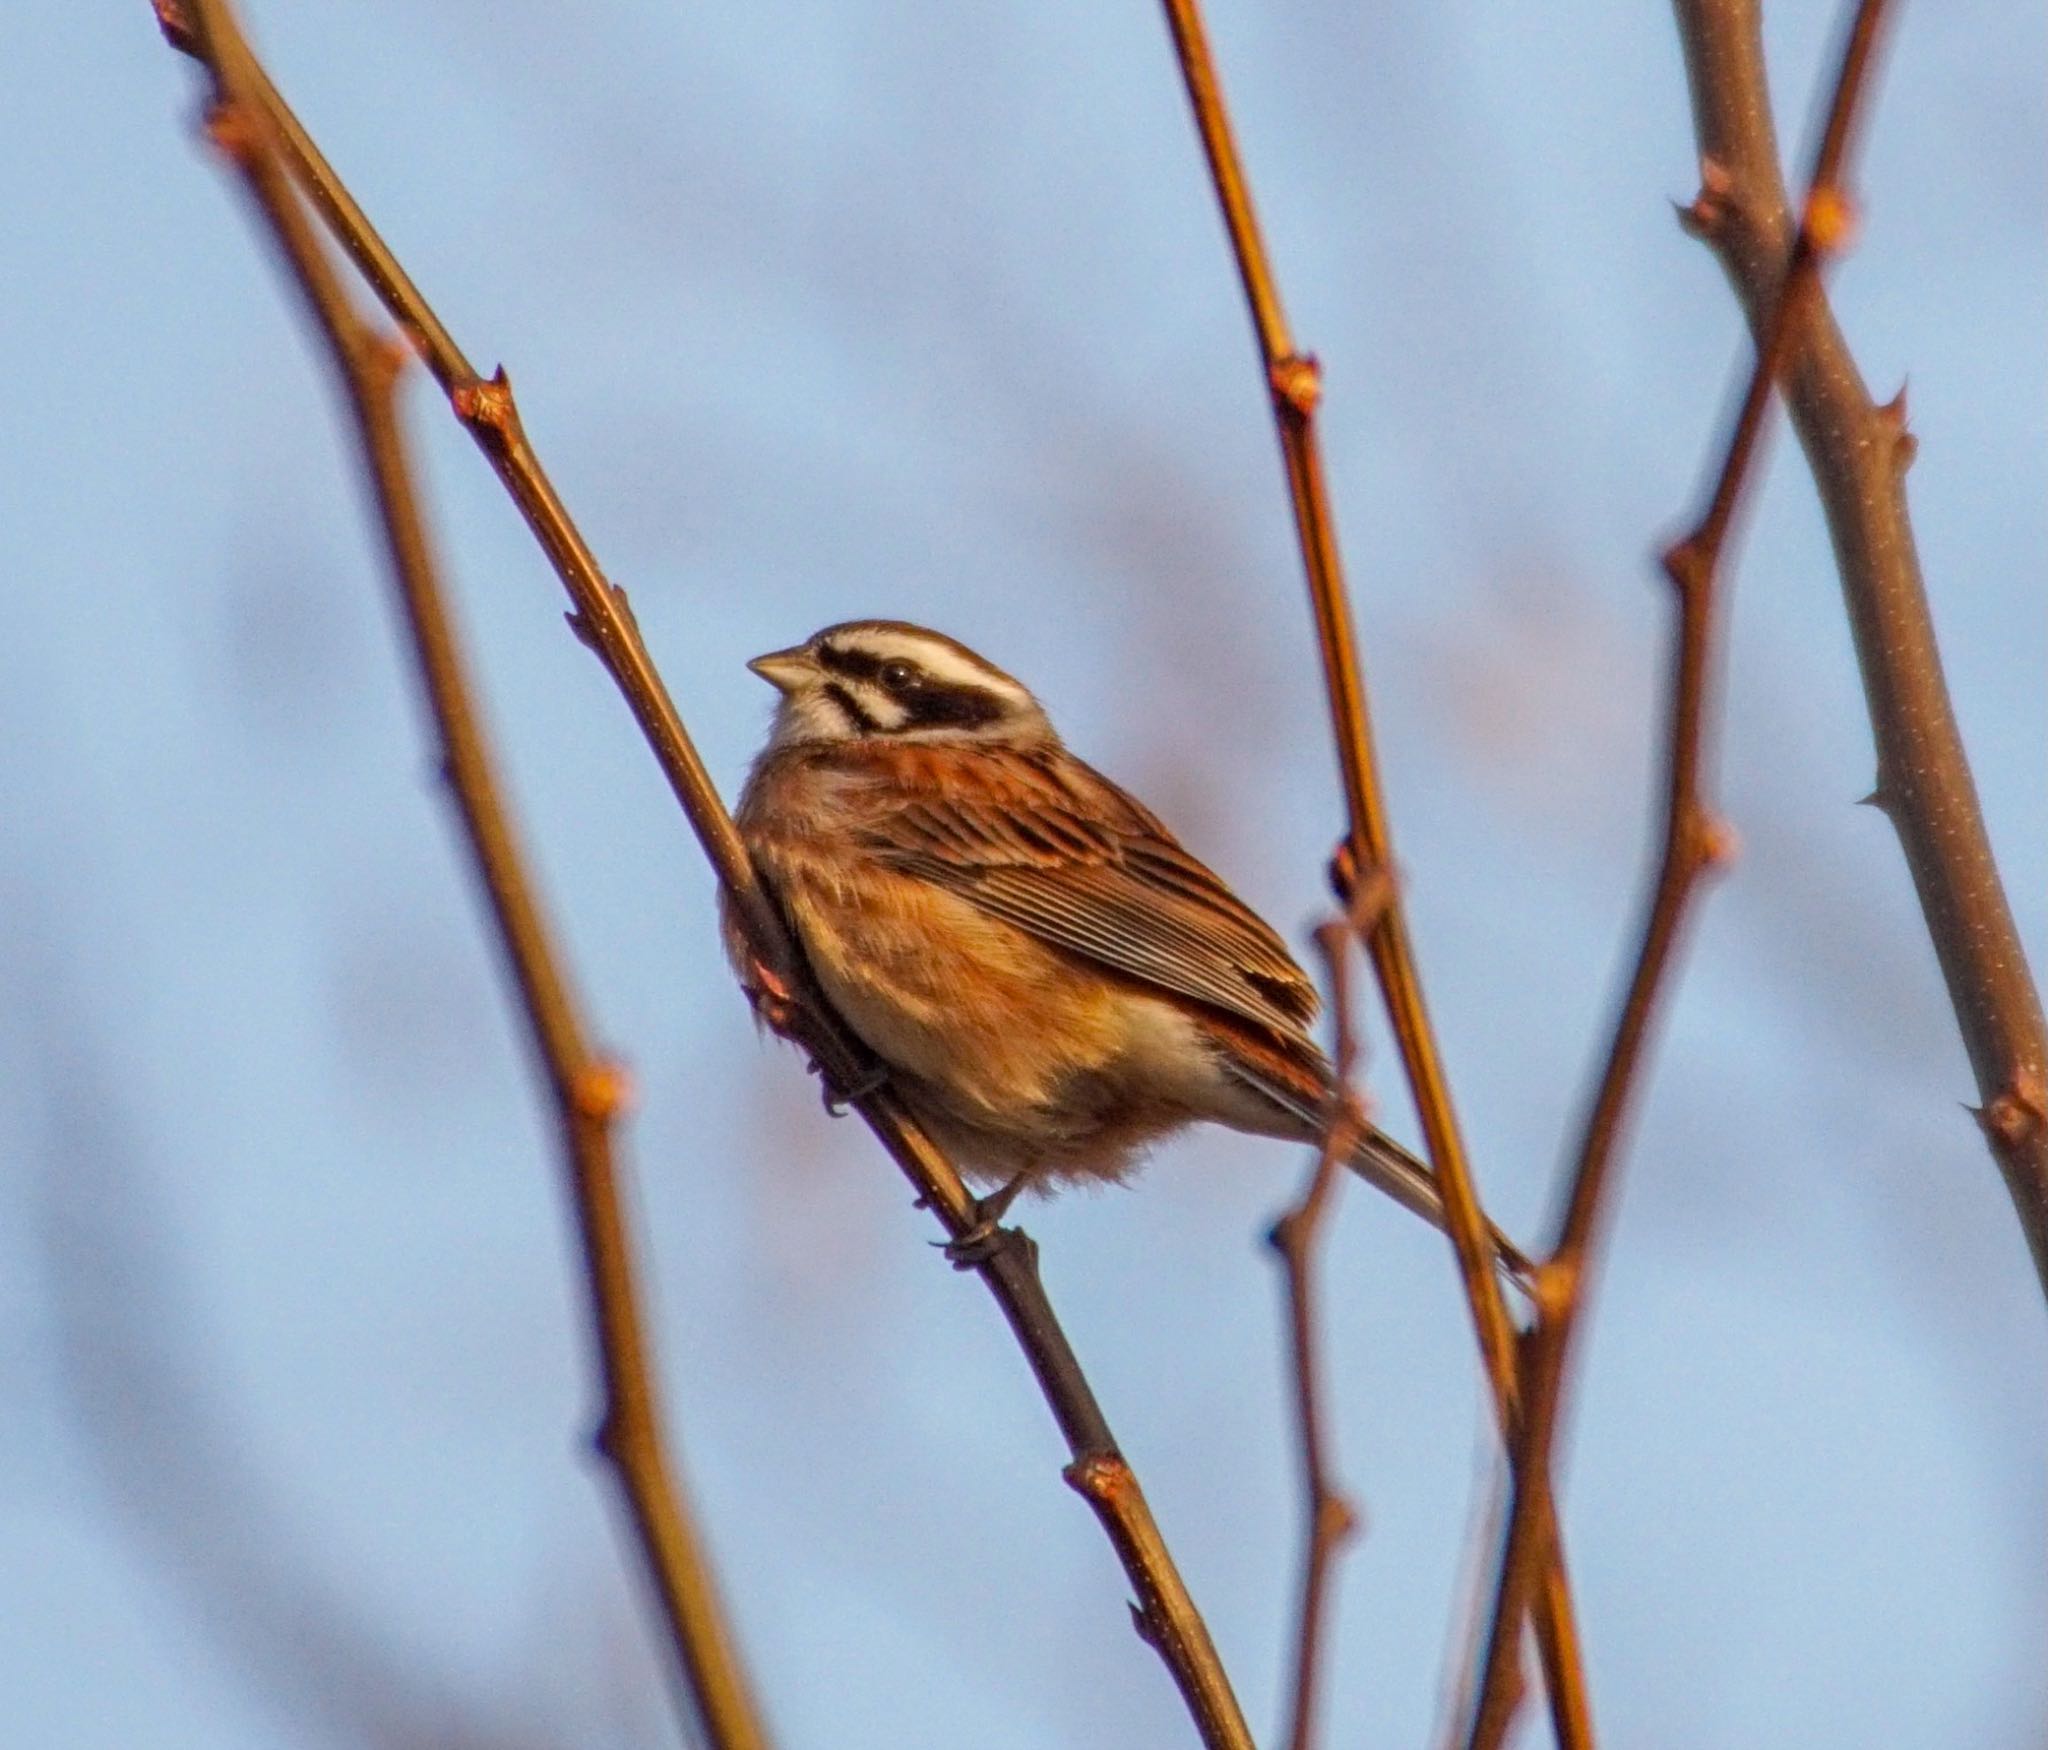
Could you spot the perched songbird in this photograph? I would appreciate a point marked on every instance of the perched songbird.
(1050, 979)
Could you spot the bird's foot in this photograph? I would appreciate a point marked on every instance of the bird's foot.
(1365, 896)
(973, 1248)
(871, 1080)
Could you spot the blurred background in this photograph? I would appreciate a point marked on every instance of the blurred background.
(819, 312)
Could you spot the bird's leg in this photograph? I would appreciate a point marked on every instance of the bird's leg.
(974, 1246)
(773, 1000)
(776, 1008)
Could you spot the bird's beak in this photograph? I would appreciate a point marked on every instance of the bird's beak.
(784, 670)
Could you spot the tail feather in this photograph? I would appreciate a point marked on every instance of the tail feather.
(1380, 1161)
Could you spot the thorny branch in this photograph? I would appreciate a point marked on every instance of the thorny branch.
(1294, 384)
(1858, 453)
(602, 618)
(1694, 840)
(589, 1091)
(1330, 1519)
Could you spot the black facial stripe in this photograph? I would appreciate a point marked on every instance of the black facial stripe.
(929, 704)
(844, 699)
(953, 707)
(855, 665)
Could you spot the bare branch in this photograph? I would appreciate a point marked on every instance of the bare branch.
(1294, 384)
(589, 1091)
(1695, 839)
(1330, 1518)
(1858, 452)
(603, 620)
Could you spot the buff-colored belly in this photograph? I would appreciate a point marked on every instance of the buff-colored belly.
(965, 1003)
(1022, 1059)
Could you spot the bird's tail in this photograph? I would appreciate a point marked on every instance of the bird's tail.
(1303, 1091)
(1383, 1162)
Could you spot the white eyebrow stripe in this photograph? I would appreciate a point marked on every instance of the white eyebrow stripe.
(939, 658)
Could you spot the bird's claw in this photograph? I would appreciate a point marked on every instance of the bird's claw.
(872, 1080)
(1364, 898)
(1343, 872)
(974, 1248)
(985, 1237)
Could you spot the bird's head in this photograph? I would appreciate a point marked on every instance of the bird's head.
(867, 679)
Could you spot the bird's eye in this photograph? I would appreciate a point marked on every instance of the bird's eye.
(899, 676)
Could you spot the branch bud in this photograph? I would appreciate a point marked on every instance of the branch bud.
(1101, 1477)
(1297, 383)
(234, 130)
(1830, 219)
(1720, 844)
(1707, 216)
(603, 1089)
(485, 403)
(176, 23)
(2015, 1113)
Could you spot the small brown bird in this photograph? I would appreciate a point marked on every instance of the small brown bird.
(1052, 982)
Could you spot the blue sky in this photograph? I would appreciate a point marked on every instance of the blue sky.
(818, 313)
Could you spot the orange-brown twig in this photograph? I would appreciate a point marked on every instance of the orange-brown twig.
(1294, 383)
(1694, 840)
(1330, 1518)
(603, 619)
(1858, 452)
(589, 1090)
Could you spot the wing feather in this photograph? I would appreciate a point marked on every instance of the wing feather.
(1067, 856)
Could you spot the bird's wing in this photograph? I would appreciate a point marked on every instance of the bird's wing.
(1057, 850)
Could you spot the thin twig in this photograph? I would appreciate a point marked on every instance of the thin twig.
(1294, 384)
(603, 619)
(1858, 452)
(1694, 840)
(1330, 1518)
(589, 1090)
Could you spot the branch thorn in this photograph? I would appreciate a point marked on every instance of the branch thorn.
(1905, 446)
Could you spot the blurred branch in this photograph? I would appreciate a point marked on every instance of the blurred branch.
(589, 1091)
(1858, 453)
(1694, 840)
(603, 619)
(1330, 1518)
(1294, 383)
